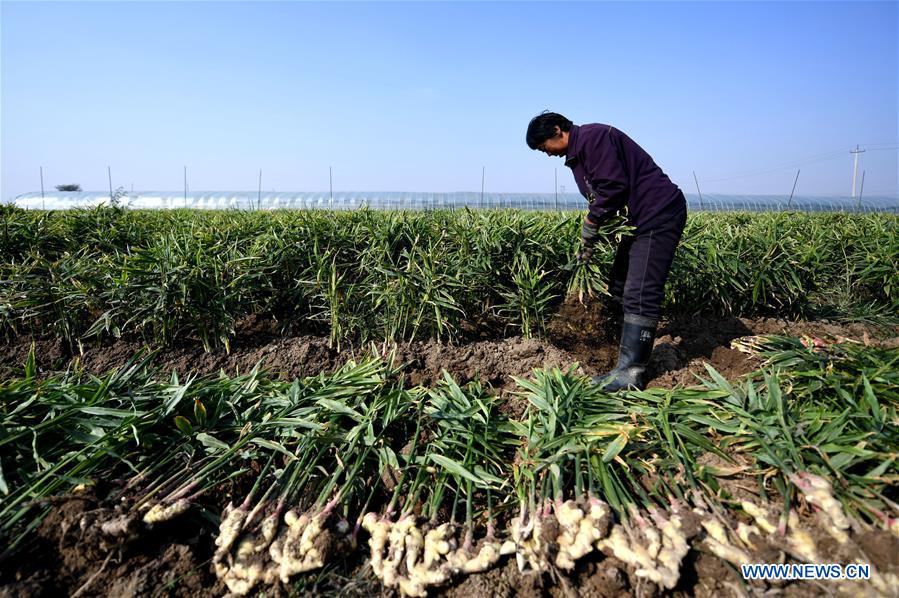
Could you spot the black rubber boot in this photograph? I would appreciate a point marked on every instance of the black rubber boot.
(637, 336)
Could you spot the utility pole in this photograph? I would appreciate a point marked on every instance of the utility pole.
(483, 178)
(856, 152)
(859, 207)
(556, 181)
(794, 187)
(697, 189)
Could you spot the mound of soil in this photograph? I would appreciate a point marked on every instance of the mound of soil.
(579, 334)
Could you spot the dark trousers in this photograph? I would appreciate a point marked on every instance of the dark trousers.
(643, 261)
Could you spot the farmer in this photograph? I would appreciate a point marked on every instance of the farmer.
(615, 173)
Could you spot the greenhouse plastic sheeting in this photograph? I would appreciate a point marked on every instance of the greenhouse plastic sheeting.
(382, 200)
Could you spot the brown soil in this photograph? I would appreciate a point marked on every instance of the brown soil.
(578, 335)
(69, 554)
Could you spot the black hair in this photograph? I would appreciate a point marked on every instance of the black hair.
(543, 127)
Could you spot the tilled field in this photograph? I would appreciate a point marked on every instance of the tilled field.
(684, 344)
(82, 547)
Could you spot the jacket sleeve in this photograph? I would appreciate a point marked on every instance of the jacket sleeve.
(607, 180)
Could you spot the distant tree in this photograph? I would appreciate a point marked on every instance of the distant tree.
(68, 187)
(116, 199)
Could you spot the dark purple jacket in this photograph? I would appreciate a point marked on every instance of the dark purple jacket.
(612, 171)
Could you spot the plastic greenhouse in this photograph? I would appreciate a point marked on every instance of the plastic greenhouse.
(382, 200)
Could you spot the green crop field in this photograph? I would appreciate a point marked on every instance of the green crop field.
(401, 275)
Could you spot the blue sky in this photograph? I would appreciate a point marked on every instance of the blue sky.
(418, 96)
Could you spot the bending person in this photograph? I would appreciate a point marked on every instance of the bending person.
(613, 172)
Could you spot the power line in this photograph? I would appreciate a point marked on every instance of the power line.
(821, 158)
(800, 162)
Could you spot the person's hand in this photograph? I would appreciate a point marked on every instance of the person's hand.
(584, 254)
(589, 232)
(589, 235)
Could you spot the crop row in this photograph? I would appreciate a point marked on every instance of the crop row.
(404, 275)
(444, 483)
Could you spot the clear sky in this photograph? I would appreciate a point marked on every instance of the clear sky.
(418, 96)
